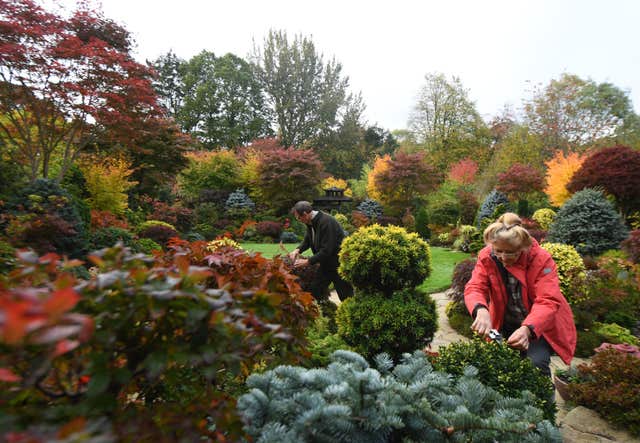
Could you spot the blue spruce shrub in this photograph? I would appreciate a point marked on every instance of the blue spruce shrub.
(238, 201)
(496, 201)
(589, 223)
(349, 401)
(289, 237)
(375, 323)
(370, 208)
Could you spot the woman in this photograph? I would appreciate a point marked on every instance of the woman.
(514, 288)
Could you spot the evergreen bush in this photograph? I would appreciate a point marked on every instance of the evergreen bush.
(422, 223)
(588, 222)
(289, 237)
(377, 258)
(494, 202)
(570, 266)
(238, 200)
(107, 237)
(375, 323)
(350, 402)
(614, 333)
(459, 318)
(322, 342)
(544, 217)
(500, 367)
(443, 206)
(145, 245)
(371, 208)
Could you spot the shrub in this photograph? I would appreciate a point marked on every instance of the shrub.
(359, 219)
(344, 222)
(158, 233)
(499, 367)
(377, 258)
(544, 217)
(7, 257)
(468, 206)
(348, 401)
(570, 266)
(422, 223)
(614, 333)
(588, 222)
(492, 202)
(151, 223)
(289, 237)
(468, 236)
(461, 275)
(376, 323)
(240, 202)
(269, 229)
(107, 237)
(106, 219)
(108, 181)
(610, 385)
(587, 342)
(322, 342)
(459, 318)
(209, 171)
(370, 208)
(145, 245)
(223, 242)
(631, 245)
(177, 216)
(443, 205)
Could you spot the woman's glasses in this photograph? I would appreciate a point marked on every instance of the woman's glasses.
(506, 254)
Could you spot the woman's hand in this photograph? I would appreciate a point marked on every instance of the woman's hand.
(520, 338)
(482, 322)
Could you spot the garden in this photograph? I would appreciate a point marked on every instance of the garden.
(146, 293)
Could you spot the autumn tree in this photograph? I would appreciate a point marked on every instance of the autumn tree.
(519, 182)
(69, 78)
(463, 172)
(406, 179)
(304, 92)
(445, 122)
(573, 114)
(286, 175)
(108, 180)
(206, 170)
(560, 170)
(616, 170)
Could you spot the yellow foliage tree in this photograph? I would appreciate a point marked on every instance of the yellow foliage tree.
(381, 164)
(107, 183)
(332, 182)
(560, 169)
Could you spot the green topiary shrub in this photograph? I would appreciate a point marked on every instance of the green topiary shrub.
(107, 237)
(544, 217)
(570, 266)
(588, 222)
(146, 246)
(610, 385)
(422, 223)
(350, 402)
(401, 323)
(384, 259)
(493, 201)
(467, 237)
(152, 223)
(322, 342)
(459, 318)
(500, 367)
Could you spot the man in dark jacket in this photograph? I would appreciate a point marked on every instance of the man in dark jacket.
(324, 236)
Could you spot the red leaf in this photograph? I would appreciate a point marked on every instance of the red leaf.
(73, 427)
(61, 301)
(8, 376)
(64, 346)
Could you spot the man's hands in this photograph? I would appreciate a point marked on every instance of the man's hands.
(294, 254)
(298, 262)
(520, 338)
(482, 322)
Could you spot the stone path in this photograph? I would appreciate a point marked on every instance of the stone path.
(577, 424)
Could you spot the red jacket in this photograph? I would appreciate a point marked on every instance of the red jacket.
(549, 312)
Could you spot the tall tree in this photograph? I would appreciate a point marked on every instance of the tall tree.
(62, 81)
(573, 114)
(304, 92)
(169, 83)
(445, 122)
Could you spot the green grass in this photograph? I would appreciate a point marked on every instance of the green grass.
(442, 262)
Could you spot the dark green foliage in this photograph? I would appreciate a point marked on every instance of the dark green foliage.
(322, 342)
(350, 402)
(461, 275)
(631, 245)
(384, 259)
(7, 257)
(588, 341)
(289, 237)
(373, 323)
(370, 208)
(500, 367)
(459, 318)
(489, 206)
(589, 223)
(107, 237)
(48, 220)
(443, 205)
(422, 223)
(610, 385)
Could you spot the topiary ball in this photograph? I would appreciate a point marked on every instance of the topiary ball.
(384, 259)
(544, 217)
(376, 323)
(570, 266)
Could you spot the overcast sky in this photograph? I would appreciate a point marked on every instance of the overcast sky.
(499, 49)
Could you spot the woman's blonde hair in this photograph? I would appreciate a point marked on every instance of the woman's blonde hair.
(508, 228)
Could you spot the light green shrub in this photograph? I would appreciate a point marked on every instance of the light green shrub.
(570, 265)
(614, 333)
(151, 223)
(544, 217)
(384, 259)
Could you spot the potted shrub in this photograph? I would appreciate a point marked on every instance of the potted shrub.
(561, 380)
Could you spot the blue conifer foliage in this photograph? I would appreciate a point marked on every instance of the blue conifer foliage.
(349, 401)
(239, 201)
(370, 208)
(495, 202)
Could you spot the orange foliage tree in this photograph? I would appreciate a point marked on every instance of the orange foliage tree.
(380, 165)
(464, 171)
(560, 169)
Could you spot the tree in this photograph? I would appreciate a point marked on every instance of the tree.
(68, 78)
(463, 172)
(445, 122)
(108, 181)
(304, 92)
(571, 113)
(169, 83)
(616, 170)
(560, 169)
(207, 170)
(519, 182)
(223, 104)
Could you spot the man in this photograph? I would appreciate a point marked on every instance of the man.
(324, 236)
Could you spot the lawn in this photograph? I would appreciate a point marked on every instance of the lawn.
(442, 261)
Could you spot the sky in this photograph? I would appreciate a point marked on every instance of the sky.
(500, 50)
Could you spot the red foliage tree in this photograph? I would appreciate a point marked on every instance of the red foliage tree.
(464, 172)
(616, 170)
(286, 175)
(63, 80)
(407, 176)
(520, 180)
